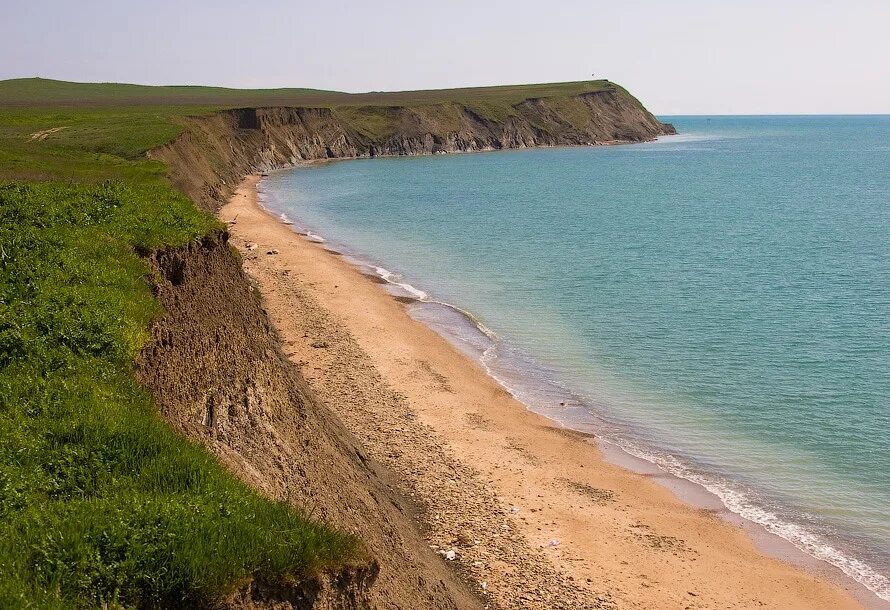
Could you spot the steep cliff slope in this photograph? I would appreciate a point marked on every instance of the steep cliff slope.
(216, 151)
(215, 369)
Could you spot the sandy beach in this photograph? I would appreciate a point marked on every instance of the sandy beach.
(529, 513)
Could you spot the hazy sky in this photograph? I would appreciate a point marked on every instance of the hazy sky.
(677, 56)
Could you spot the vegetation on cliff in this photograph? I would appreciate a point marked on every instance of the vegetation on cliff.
(100, 502)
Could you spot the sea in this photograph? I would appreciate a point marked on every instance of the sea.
(716, 303)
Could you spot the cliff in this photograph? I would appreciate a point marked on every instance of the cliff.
(216, 151)
(217, 373)
(215, 367)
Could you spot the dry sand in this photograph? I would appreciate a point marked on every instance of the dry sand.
(494, 482)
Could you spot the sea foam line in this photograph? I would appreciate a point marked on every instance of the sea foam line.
(740, 504)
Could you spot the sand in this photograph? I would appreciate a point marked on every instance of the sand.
(495, 483)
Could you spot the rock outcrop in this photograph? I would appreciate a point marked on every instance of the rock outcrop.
(216, 151)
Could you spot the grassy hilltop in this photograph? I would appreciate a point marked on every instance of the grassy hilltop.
(125, 121)
(39, 92)
(100, 502)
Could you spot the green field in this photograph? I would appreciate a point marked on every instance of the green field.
(38, 92)
(100, 503)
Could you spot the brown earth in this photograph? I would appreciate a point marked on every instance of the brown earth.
(216, 370)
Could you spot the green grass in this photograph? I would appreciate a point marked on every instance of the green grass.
(43, 93)
(100, 502)
(34, 92)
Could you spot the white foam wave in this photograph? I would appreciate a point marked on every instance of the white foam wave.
(393, 278)
(476, 321)
(742, 504)
(689, 138)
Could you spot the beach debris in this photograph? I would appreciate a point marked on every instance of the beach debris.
(449, 555)
(483, 585)
(273, 251)
(554, 542)
(251, 246)
(514, 510)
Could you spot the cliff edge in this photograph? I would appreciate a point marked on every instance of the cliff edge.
(214, 152)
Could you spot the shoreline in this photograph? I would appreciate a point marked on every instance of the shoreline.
(631, 515)
(776, 537)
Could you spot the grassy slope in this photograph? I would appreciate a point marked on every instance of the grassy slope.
(99, 501)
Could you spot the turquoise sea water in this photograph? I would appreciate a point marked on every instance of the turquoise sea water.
(717, 302)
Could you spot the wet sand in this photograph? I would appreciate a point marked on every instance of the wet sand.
(533, 513)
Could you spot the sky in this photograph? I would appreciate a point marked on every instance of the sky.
(677, 56)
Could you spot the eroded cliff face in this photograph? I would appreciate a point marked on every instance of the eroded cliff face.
(216, 151)
(215, 365)
(216, 370)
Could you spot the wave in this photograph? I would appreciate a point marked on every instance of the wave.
(745, 504)
(393, 278)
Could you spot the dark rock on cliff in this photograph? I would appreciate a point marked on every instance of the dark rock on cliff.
(345, 590)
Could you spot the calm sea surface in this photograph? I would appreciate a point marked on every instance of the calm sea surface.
(717, 302)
